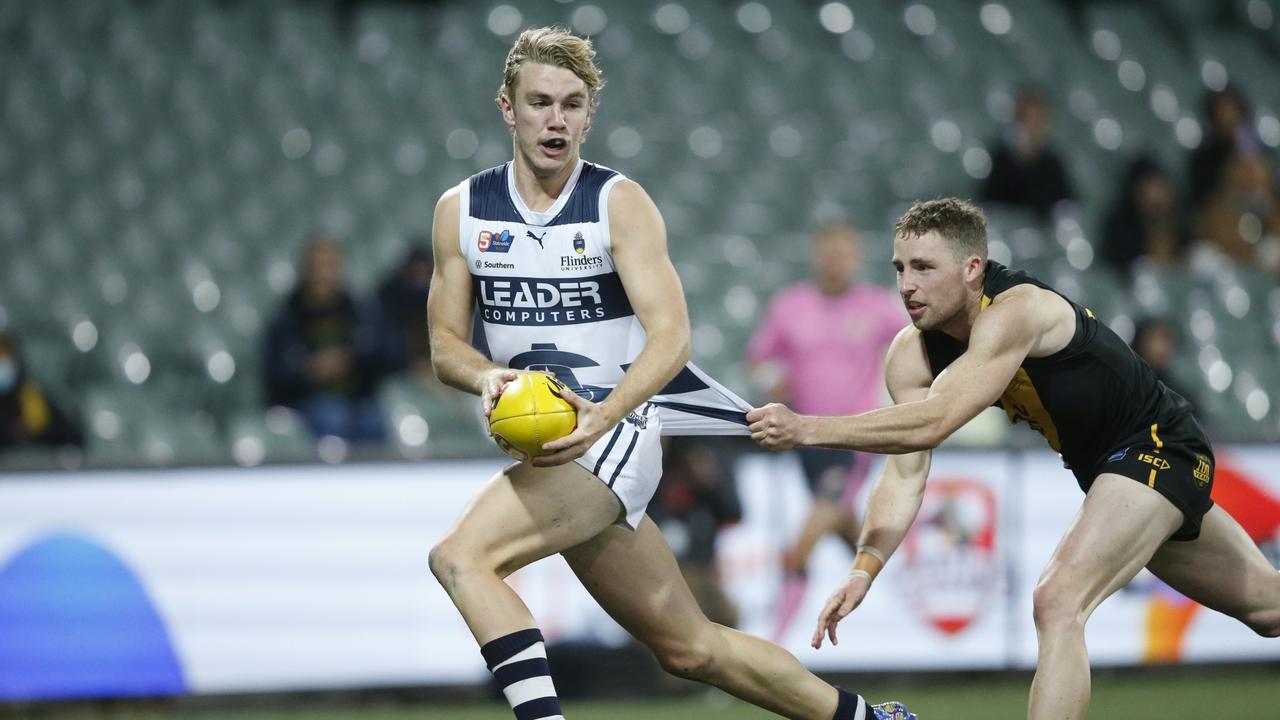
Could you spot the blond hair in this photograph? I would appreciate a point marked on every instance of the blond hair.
(552, 46)
(961, 224)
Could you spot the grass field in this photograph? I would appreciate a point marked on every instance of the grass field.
(1185, 694)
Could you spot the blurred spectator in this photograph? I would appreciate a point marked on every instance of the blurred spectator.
(403, 299)
(696, 498)
(27, 415)
(1242, 219)
(821, 350)
(1226, 119)
(1025, 169)
(1156, 342)
(1145, 220)
(324, 355)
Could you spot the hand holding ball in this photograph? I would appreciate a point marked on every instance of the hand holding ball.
(529, 413)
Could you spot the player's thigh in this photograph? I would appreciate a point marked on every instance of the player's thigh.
(525, 513)
(1116, 531)
(636, 579)
(1222, 569)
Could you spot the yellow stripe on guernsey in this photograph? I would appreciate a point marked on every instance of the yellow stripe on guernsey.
(1151, 480)
(1021, 402)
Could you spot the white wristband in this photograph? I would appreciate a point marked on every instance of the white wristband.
(861, 573)
(872, 552)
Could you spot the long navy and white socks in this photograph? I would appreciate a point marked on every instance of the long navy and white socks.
(519, 663)
(852, 707)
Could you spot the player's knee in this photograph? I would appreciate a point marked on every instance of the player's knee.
(452, 558)
(446, 563)
(1266, 624)
(1052, 606)
(439, 562)
(691, 659)
(1269, 628)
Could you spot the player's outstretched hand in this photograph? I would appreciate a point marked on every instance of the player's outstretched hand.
(492, 385)
(775, 427)
(592, 423)
(842, 602)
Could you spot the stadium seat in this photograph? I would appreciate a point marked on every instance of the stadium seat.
(1162, 291)
(113, 417)
(181, 438)
(1158, 52)
(1100, 289)
(1194, 15)
(427, 421)
(168, 123)
(1248, 65)
(275, 435)
(51, 360)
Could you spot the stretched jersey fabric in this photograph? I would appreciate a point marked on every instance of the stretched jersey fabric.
(1089, 399)
(548, 297)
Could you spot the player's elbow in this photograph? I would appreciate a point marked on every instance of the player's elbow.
(684, 350)
(939, 420)
(932, 427)
(442, 342)
(928, 437)
(438, 372)
(678, 346)
(437, 365)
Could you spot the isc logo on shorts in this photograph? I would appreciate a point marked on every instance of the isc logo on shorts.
(1155, 460)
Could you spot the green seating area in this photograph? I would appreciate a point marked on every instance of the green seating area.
(161, 164)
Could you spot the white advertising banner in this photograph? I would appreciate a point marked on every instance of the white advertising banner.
(286, 578)
(229, 580)
(939, 604)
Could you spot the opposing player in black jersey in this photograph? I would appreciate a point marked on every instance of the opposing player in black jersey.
(982, 335)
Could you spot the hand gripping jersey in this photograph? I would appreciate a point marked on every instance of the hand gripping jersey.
(549, 297)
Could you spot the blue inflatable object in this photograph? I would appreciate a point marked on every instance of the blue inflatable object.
(76, 623)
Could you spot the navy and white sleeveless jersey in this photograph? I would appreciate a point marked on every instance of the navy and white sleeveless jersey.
(549, 297)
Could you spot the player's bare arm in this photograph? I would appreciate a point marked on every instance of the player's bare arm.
(895, 498)
(639, 240)
(455, 361)
(1017, 324)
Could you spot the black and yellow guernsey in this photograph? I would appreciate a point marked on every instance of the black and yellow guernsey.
(1090, 400)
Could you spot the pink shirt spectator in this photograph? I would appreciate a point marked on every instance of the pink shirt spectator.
(831, 349)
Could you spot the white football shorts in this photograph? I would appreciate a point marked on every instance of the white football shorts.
(628, 459)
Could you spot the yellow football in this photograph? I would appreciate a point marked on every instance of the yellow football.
(530, 412)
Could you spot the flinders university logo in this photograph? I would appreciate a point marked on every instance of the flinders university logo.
(494, 242)
(951, 574)
(580, 261)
